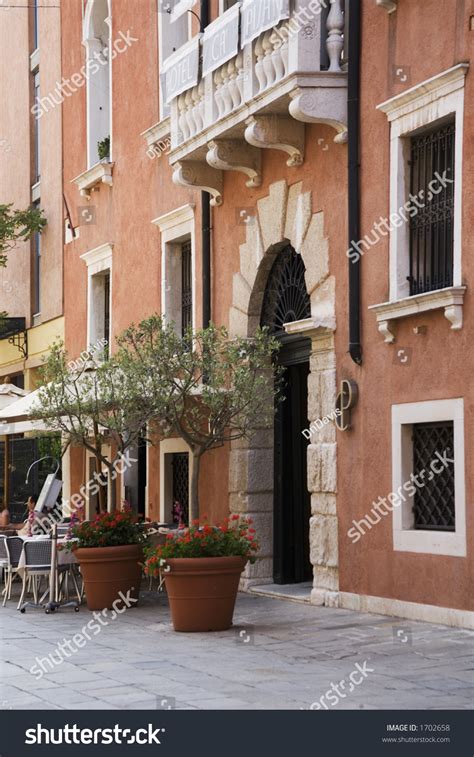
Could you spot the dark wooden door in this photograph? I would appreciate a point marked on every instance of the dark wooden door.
(292, 502)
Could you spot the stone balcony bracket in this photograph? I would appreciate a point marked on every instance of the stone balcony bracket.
(277, 133)
(259, 98)
(199, 174)
(236, 155)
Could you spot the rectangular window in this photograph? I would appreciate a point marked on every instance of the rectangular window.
(36, 131)
(180, 472)
(106, 334)
(432, 155)
(186, 287)
(36, 245)
(35, 25)
(434, 500)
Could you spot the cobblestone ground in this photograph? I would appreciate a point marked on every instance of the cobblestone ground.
(279, 655)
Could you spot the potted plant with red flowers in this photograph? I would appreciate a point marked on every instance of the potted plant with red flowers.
(110, 552)
(202, 567)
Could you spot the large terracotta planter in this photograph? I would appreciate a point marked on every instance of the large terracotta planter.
(107, 571)
(202, 591)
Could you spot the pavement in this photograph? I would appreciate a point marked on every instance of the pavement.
(280, 655)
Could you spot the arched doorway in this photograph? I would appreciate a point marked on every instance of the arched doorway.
(286, 300)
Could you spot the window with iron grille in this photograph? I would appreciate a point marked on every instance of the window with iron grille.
(431, 228)
(106, 334)
(186, 287)
(433, 505)
(180, 487)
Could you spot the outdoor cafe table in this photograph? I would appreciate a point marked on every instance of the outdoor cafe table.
(64, 557)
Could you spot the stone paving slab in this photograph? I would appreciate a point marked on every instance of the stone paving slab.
(279, 655)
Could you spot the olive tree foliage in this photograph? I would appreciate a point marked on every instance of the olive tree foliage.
(206, 387)
(90, 407)
(17, 226)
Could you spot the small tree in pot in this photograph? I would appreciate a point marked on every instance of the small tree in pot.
(207, 388)
(90, 407)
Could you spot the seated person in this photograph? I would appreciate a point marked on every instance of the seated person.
(27, 528)
(4, 518)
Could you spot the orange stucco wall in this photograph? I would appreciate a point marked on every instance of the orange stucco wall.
(442, 361)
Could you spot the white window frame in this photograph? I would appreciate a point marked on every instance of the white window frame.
(169, 447)
(164, 108)
(99, 262)
(420, 107)
(405, 537)
(91, 45)
(175, 227)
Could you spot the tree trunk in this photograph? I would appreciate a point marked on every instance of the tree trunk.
(112, 488)
(194, 501)
(102, 493)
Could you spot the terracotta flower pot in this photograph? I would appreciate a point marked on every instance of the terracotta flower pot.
(107, 571)
(202, 591)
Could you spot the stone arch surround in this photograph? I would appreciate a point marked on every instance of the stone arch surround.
(285, 216)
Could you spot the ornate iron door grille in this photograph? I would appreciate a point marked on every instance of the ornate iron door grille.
(431, 229)
(181, 482)
(186, 287)
(286, 298)
(434, 499)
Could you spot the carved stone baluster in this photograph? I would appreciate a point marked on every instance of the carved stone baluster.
(196, 115)
(182, 120)
(268, 66)
(233, 88)
(239, 64)
(277, 58)
(259, 72)
(218, 92)
(285, 49)
(226, 90)
(335, 41)
(202, 102)
(188, 99)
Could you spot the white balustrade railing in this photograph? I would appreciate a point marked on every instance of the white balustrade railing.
(272, 56)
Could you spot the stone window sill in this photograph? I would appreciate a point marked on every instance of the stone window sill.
(100, 173)
(450, 300)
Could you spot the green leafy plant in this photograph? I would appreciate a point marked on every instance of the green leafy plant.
(90, 407)
(234, 537)
(107, 530)
(206, 387)
(18, 226)
(103, 148)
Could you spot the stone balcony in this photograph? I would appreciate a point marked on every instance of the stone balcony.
(261, 97)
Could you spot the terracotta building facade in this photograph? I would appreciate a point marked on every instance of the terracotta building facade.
(257, 163)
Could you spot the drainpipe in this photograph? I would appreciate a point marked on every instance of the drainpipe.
(206, 219)
(353, 123)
